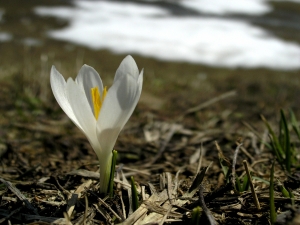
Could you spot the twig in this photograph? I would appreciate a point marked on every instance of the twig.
(169, 187)
(104, 214)
(48, 220)
(166, 216)
(9, 215)
(109, 208)
(259, 161)
(251, 128)
(199, 161)
(86, 209)
(254, 143)
(172, 131)
(210, 217)
(247, 153)
(255, 199)
(19, 195)
(208, 103)
(263, 140)
(76, 195)
(66, 192)
(137, 171)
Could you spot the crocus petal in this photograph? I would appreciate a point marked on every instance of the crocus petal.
(83, 113)
(117, 107)
(140, 86)
(127, 67)
(58, 86)
(88, 78)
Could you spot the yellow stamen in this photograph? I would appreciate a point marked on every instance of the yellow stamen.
(97, 100)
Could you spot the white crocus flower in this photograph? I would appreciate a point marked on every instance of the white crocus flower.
(99, 113)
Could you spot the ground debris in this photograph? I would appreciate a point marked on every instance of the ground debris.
(49, 172)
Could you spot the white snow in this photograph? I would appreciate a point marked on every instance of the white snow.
(4, 36)
(152, 31)
(251, 7)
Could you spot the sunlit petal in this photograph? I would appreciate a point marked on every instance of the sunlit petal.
(140, 87)
(127, 67)
(88, 78)
(118, 106)
(58, 86)
(83, 112)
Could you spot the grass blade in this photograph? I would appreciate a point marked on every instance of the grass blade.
(196, 213)
(135, 198)
(283, 190)
(292, 198)
(287, 146)
(238, 185)
(112, 173)
(246, 183)
(271, 193)
(279, 157)
(275, 142)
(198, 180)
(295, 124)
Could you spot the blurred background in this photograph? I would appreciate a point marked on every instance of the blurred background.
(194, 48)
(181, 44)
(191, 50)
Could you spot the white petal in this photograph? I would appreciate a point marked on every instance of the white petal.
(127, 67)
(88, 78)
(58, 86)
(117, 107)
(83, 113)
(140, 86)
(138, 93)
(107, 139)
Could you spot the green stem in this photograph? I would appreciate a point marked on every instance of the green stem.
(105, 171)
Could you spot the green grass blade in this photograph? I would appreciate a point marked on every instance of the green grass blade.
(238, 185)
(135, 198)
(261, 180)
(271, 193)
(225, 165)
(287, 146)
(276, 144)
(281, 136)
(295, 124)
(112, 173)
(279, 157)
(246, 183)
(292, 198)
(196, 213)
(283, 190)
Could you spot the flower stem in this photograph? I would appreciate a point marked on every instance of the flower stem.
(105, 171)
